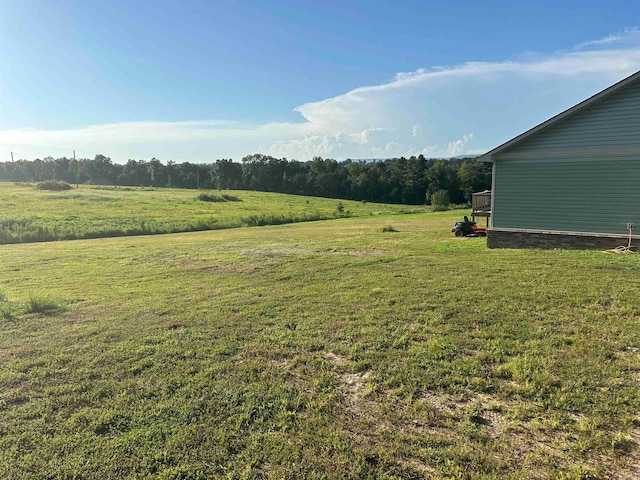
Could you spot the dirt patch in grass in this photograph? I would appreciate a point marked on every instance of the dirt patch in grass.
(370, 420)
(494, 422)
(420, 467)
(491, 417)
(437, 401)
(336, 360)
(352, 386)
(535, 445)
(630, 448)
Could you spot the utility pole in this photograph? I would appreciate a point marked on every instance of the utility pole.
(198, 175)
(11, 157)
(75, 163)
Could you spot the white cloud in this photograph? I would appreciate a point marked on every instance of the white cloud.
(458, 147)
(362, 144)
(627, 36)
(453, 149)
(429, 111)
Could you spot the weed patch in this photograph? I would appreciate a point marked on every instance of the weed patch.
(41, 304)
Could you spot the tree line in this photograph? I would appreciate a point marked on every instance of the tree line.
(410, 180)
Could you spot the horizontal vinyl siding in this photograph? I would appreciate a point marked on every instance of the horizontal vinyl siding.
(613, 122)
(598, 195)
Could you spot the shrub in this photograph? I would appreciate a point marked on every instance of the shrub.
(231, 198)
(40, 304)
(440, 201)
(388, 228)
(205, 197)
(53, 185)
(339, 207)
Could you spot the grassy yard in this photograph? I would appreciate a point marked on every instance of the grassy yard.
(31, 215)
(317, 350)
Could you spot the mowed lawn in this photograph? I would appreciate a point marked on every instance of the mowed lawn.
(31, 215)
(319, 350)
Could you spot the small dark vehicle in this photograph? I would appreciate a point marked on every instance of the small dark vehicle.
(467, 228)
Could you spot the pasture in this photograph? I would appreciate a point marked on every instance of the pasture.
(326, 350)
(31, 215)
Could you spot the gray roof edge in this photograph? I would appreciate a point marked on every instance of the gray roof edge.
(487, 157)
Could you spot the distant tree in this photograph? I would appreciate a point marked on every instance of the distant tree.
(254, 172)
(157, 172)
(440, 201)
(62, 170)
(170, 173)
(226, 174)
(443, 175)
(294, 178)
(185, 175)
(474, 176)
(101, 168)
(396, 180)
(324, 177)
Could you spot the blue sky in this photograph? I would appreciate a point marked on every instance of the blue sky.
(201, 80)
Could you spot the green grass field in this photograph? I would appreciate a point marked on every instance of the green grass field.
(318, 350)
(31, 215)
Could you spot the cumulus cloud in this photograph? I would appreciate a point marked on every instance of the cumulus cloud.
(312, 145)
(458, 147)
(429, 111)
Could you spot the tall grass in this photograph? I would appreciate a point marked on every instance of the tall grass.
(40, 304)
(28, 215)
(34, 230)
(35, 303)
